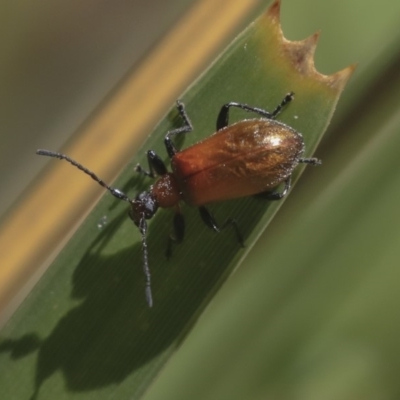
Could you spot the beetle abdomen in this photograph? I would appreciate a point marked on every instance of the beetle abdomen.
(249, 157)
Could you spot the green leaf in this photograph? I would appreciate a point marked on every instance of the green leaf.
(88, 318)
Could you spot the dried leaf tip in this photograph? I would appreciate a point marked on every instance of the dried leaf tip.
(300, 54)
(339, 79)
(274, 10)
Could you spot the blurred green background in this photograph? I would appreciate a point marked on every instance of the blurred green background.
(313, 312)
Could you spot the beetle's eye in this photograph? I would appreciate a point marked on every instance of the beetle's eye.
(141, 196)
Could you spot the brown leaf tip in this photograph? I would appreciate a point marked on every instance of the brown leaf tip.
(274, 10)
(339, 79)
(301, 53)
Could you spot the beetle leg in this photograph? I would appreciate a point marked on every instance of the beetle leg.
(278, 195)
(210, 221)
(223, 116)
(312, 161)
(188, 127)
(178, 233)
(156, 165)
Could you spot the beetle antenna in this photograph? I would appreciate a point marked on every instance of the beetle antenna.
(115, 192)
(146, 269)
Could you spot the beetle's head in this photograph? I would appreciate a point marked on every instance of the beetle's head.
(143, 207)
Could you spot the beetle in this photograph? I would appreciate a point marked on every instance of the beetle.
(245, 158)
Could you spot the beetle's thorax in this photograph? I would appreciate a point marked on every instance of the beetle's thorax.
(166, 191)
